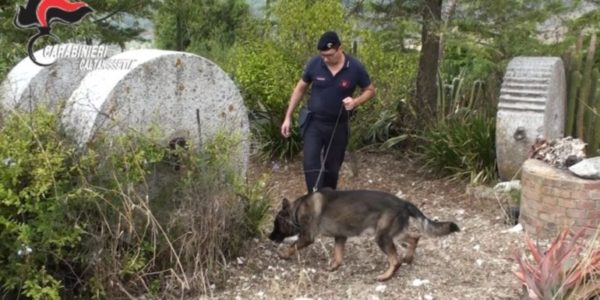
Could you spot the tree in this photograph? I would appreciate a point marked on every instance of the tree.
(426, 94)
(485, 35)
(482, 36)
(204, 27)
(396, 15)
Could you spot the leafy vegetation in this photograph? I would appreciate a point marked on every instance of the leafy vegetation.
(137, 218)
(178, 26)
(391, 112)
(126, 218)
(461, 146)
(268, 62)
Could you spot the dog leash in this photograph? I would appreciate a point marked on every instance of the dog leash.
(314, 189)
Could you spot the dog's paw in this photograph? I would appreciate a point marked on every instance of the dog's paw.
(286, 253)
(333, 266)
(383, 277)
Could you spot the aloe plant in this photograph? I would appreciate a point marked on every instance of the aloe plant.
(559, 271)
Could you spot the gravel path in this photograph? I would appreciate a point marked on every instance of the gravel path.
(476, 263)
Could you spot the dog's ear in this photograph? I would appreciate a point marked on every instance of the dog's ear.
(285, 204)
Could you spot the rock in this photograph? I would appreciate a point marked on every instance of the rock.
(516, 229)
(479, 262)
(587, 168)
(400, 195)
(419, 282)
(380, 288)
(560, 153)
(507, 186)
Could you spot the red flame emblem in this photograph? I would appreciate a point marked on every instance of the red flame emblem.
(41, 14)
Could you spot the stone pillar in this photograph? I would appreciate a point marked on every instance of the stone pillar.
(532, 104)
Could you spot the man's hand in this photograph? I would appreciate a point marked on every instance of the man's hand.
(285, 128)
(348, 103)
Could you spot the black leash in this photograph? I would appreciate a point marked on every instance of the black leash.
(314, 189)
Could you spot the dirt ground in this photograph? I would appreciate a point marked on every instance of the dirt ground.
(475, 263)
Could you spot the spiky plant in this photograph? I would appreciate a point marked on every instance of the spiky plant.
(560, 271)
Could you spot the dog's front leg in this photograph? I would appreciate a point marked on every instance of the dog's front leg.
(308, 231)
(302, 242)
(411, 242)
(338, 253)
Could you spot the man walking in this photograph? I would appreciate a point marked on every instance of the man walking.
(334, 76)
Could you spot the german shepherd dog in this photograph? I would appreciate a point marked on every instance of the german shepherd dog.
(342, 214)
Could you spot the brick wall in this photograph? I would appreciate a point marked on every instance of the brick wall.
(552, 198)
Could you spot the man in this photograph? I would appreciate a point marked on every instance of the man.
(334, 76)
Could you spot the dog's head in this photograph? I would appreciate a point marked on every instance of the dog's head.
(284, 225)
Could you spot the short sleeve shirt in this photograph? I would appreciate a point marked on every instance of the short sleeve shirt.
(328, 91)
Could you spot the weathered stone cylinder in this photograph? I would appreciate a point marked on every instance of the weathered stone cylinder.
(186, 96)
(532, 104)
(28, 85)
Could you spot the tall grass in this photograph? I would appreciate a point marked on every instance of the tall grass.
(461, 141)
(462, 146)
(169, 231)
(127, 218)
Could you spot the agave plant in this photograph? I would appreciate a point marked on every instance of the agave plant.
(561, 270)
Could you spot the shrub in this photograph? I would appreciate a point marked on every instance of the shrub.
(170, 217)
(128, 217)
(392, 72)
(267, 76)
(39, 224)
(268, 64)
(462, 146)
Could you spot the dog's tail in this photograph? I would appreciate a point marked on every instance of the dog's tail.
(428, 226)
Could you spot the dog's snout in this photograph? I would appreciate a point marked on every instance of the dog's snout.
(276, 237)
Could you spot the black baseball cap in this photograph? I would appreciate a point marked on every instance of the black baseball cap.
(329, 40)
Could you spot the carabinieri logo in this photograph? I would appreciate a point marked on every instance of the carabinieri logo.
(41, 14)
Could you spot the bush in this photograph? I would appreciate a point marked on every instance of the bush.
(39, 224)
(268, 64)
(393, 73)
(129, 217)
(462, 146)
(170, 217)
(267, 76)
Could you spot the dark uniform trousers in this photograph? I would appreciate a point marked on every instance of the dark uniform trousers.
(316, 139)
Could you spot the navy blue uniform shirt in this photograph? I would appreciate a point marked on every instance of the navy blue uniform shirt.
(328, 91)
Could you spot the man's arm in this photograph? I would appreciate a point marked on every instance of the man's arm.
(366, 94)
(294, 101)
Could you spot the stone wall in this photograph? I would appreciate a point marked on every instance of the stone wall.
(552, 198)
